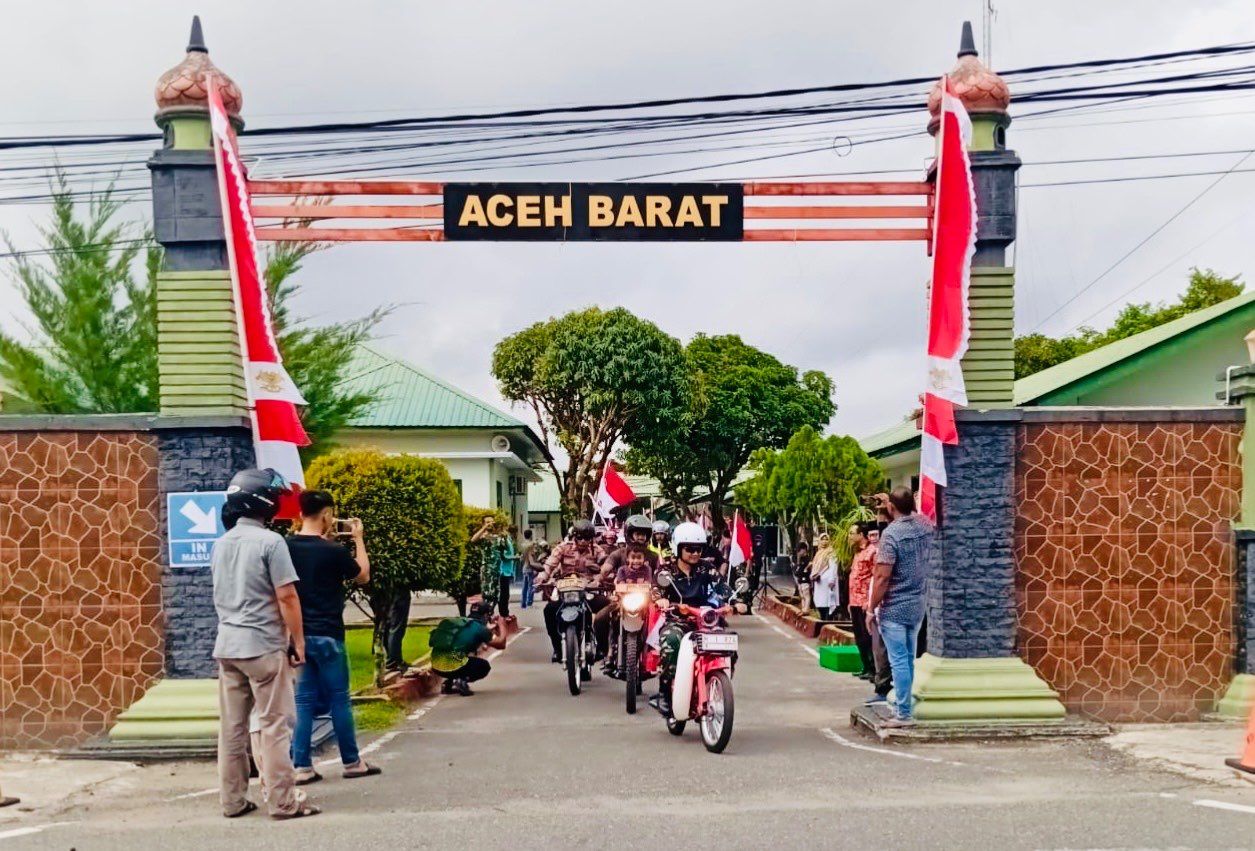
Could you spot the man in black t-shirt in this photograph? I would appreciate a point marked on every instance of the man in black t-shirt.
(323, 564)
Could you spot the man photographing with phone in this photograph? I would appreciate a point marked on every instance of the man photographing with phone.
(323, 564)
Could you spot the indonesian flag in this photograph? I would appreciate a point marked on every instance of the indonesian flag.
(949, 323)
(273, 397)
(742, 544)
(613, 492)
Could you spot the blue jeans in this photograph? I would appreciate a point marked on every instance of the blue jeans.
(326, 671)
(529, 588)
(900, 639)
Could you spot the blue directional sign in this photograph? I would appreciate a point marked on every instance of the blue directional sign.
(194, 522)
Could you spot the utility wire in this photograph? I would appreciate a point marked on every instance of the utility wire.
(1147, 238)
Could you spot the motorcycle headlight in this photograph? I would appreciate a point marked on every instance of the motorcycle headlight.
(570, 596)
(634, 602)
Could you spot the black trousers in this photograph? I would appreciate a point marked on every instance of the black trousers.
(551, 622)
(862, 638)
(398, 621)
(474, 669)
(503, 597)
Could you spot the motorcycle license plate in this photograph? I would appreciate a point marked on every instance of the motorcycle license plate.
(719, 642)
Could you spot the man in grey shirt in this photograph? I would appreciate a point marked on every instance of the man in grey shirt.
(260, 639)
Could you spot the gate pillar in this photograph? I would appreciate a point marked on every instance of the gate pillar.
(972, 672)
(1239, 698)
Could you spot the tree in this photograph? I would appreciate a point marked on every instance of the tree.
(810, 482)
(591, 378)
(743, 399)
(415, 531)
(93, 347)
(1035, 352)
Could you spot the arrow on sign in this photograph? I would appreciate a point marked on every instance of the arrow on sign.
(203, 522)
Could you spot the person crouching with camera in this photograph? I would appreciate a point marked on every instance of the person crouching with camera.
(323, 564)
(456, 644)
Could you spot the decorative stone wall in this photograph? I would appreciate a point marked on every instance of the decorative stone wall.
(81, 628)
(195, 459)
(1125, 562)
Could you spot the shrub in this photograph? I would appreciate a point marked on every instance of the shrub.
(415, 531)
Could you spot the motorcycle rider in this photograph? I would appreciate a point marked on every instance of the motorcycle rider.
(660, 542)
(636, 531)
(580, 556)
(637, 569)
(695, 582)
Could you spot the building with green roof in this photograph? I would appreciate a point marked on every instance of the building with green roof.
(491, 455)
(1179, 363)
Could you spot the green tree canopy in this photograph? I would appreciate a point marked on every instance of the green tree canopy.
(591, 378)
(743, 399)
(93, 345)
(415, 530)
(812, 481)
(1035, 352)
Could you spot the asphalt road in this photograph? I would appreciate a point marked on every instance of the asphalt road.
(522, 764)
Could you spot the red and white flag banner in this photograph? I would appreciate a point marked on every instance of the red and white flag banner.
(742, 549)
(273, 397)
(613, 492)
(949, 322)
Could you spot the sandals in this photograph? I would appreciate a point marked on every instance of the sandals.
(249, 807)
(302, 811)
(368, 771)
(306, 779)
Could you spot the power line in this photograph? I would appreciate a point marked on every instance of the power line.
(1147, 238)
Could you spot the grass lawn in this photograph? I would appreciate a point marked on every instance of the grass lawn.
(362, 661)
(376, 715)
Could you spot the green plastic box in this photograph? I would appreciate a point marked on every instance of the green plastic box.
(843, 658)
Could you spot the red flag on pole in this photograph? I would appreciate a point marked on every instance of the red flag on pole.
(613, 492)
(742, 549)
(272, 396)
(949, 324)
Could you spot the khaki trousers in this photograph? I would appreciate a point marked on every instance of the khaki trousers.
(264, 682)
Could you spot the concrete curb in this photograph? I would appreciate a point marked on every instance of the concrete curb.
(868, 720)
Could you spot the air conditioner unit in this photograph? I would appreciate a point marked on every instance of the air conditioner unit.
(500, 443)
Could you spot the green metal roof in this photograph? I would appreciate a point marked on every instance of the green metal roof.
(1039, 384)
(1028, 390)
(407, 397)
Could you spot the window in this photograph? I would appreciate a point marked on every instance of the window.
(500, 500)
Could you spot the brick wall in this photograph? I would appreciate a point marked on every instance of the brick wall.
(81, 628)
(1125, 579)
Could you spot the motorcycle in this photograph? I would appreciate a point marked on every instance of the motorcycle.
(575, 619)
(628, 638)
(702, 689)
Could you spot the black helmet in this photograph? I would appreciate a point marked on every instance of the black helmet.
(255, 492)
(480, 611)
(637, 522)
(582, 530)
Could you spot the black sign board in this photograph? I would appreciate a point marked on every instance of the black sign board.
(629, 212)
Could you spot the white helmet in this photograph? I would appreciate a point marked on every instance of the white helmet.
(688, 533)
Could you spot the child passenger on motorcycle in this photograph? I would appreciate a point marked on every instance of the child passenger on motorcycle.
(695, 582)
(636, 570)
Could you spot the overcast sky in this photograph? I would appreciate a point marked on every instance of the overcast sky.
(855, 311)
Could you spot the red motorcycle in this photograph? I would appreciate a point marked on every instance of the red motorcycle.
(702, 690)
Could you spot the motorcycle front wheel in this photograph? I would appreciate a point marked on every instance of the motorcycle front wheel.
(573, 659)
(716, 723)
(631, 670)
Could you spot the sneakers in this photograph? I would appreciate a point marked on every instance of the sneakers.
(876, 700)
(463, 688)
(446, 686)
(896, 722)
(556, 657)
(661, 702)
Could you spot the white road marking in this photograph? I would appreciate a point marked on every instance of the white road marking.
(781, 631)
(494, 654)
(20, 831)
(27, 831)
(811, 650)
(833, 735)
(199, 794)
(425, 708)
(1224, 805)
